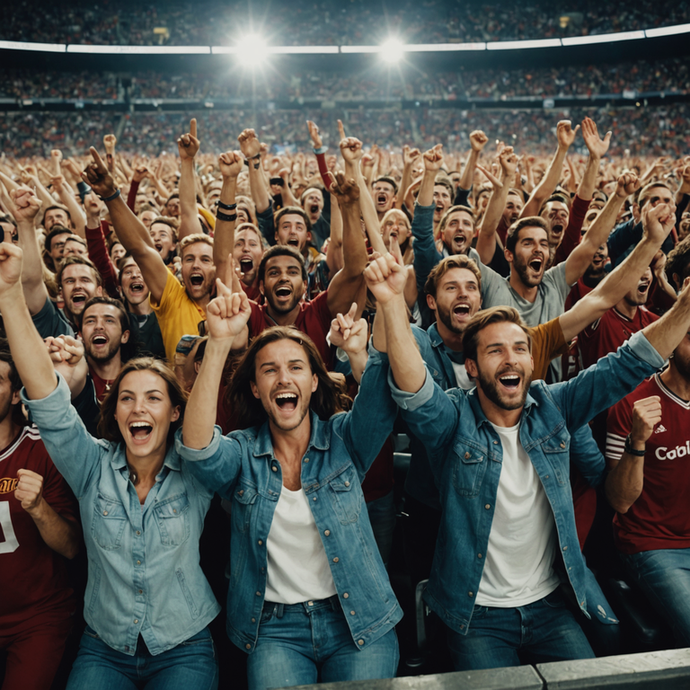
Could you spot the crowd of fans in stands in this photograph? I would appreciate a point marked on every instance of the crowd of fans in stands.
(667, 76)
(433, 21)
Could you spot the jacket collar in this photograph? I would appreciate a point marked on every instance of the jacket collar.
(481, 418)
(320, 437)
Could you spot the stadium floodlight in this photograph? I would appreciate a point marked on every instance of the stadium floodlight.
(668, 31)
(252, 50)
(393, 50)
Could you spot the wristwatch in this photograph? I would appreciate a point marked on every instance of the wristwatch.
(630, 450)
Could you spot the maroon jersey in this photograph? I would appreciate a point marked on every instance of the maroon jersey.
(33, 577)
(314, 319)
(609, 333)
(659, 518)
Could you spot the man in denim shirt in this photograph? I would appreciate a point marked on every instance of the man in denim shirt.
(500, 453)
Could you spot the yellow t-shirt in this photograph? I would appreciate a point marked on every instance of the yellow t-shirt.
(177, 314)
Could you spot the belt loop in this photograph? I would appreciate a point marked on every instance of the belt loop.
(279, 610)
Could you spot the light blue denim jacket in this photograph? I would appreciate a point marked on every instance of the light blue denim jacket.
(466, 456)
(144, 573)
(243, 469)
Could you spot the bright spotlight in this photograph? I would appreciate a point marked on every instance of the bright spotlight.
(252, 50)
(392, 50)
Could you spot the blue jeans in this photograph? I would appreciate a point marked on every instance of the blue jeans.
(544, 631)
(664, 576)
(309, 642)
(191, 665)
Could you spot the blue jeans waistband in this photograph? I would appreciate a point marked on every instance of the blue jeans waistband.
(304, 606)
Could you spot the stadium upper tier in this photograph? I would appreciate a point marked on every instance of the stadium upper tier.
(322, 22)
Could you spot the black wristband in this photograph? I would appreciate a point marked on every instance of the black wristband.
(251, 158)
(110, 198)
(630, 450)
(225, 216)
(226, 207)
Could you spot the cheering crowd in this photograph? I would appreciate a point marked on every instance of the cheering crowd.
(256, 325)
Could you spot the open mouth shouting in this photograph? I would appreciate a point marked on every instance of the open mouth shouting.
(293, 241)
(283, 292)
(140, 432)
(381, 199)
(287, 401)
(78, 298)
(510, 381)
(536, 264)
(246, 265)
(557, 229)
(314, 209)
(137, 288)
(158, 246)
(99, 340)
(196, 279)
(642, 287)
(461, 310)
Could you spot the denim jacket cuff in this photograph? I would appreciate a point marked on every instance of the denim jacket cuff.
(197, 454)
(643, 349)
(53, 402)
(412, 401)
(376, 354)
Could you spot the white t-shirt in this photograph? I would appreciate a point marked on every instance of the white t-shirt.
(298, 569)
(522, 544)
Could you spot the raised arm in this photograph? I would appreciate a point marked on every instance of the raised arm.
(566, 136)
(188, 147)
(26, 207)
(129, 229)
(410, 158)
(230, 164)
(597, 148)
(598, 232)
(28, 350)
(623, 278)
(478, 141)
(251, 148)
(626, 478)
(347, 285)
(350, 335)
(64, 191)
(60, 534)
(226, 317)
(666, 333)
(486, 239)
(433, 160)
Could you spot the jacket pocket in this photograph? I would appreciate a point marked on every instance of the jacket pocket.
(469, 467)
(243, 505)
(109, 522)
(347, 496)
(172, 520)
(557, 453)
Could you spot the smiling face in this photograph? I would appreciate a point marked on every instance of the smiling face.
(292, 231)
(503, 368)
(396, 225)
(144, 414)
(556, 214)
(163, 239)
(101, 331)
(384, 196)
(458, 299)
(198, 270)
(78, 285)
(247, 253)
(283, 285)
(284, 383)
(134, 287)
(530, 256)
(597, 269)
(458, 232)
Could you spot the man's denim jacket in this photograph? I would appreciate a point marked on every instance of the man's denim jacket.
(144, 573)
(466, 455)
(243, 469)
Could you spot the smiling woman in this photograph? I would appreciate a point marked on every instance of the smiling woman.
(147, 602)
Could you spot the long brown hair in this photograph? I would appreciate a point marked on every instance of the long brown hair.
(248, 411)
(107, 424)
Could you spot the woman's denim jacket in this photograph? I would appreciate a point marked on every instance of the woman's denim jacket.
(144, 573)
(243, 469)
(466, 454)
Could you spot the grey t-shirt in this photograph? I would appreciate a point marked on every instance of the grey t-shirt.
(549, 303)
